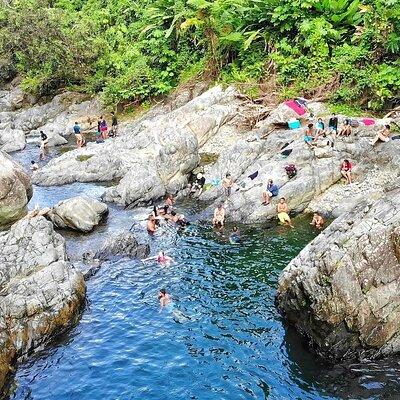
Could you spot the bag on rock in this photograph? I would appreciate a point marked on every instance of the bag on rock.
(291, 170)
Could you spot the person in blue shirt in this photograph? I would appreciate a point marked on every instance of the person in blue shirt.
(272, 191)
(78, 135)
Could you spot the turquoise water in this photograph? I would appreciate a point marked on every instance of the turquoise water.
(221, 337)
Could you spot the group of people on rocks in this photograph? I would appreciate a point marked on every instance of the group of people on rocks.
(314, 133)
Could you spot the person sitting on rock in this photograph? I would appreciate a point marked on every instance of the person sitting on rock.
(333, 125)
(382, 135)
(170, 200)
(309, 136)
(317, 221)
(271, 191)
(345, 170)
(227, 184)
(78, 135)
(151, 225)
(345, 129)
(219, 216)
(197, 187)
(164, 298)
(34, 166)
(283, 212)
(320, 131)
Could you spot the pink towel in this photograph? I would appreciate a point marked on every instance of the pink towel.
(295, 107)
(368, 121)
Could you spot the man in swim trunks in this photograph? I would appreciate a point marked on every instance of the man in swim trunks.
(227, 184)
(283, 212)
(164, 297)
(78, 135)
(272, 191)
(317, 221)
(151, 225)
(219, 216)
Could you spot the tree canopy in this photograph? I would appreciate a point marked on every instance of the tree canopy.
(133, 50)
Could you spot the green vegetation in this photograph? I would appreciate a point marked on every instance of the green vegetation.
(131, 51)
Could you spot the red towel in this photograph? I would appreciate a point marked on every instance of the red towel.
(368, 121)
(295, 107)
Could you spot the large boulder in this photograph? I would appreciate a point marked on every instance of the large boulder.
(15, 191)
(343, 290)
(12, 139)
(122, 244)
(40, 291)
(154, 155)
(78, 213)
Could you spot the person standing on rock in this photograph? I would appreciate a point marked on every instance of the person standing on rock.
(78, 135)
(345, 170)
(114, 124)
(283, 213)
(227, 184)
(219, 216)
(44, 141)
(317, 221)
(272, 191)
(103, 128)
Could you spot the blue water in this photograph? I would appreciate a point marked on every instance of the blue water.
(221, 337)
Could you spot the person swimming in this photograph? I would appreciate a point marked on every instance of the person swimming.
(234, 237)
(163, 259)
(163, 297)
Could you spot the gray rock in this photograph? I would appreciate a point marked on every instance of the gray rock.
(15, 191)
(78, 213)
(12, 140)
(40, 291)
(122, 244)
(152, 156)
(342, 290)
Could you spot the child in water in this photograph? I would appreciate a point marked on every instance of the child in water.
(234, 237)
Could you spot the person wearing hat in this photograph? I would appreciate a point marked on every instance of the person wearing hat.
(198, 184)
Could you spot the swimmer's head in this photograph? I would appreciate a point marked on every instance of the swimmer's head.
(162, 293)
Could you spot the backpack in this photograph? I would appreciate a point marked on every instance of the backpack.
(291, 170)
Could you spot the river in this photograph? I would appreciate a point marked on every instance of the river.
(220, 338)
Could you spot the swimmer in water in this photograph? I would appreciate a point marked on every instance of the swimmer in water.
(234, 237)
(164, 259)
(164, 298)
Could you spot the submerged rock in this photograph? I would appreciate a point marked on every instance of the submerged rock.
(122, 244)
(40, 291)
(78, 213)
(343, 290)
(15, 191)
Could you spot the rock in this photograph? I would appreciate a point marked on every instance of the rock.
(78, 213)
(122, 244)
(343, 290)
(40, 291)
(12, 140)
(15, 191)
(153, 156)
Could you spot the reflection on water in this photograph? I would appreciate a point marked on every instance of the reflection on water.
(221, 338)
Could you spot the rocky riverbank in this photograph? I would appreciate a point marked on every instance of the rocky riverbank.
(217, 132)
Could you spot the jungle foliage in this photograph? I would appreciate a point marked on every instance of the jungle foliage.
(133, 50)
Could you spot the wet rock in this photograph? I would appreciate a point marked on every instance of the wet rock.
(40, 291)
(15, 191)
(122, 244)
(78, 213)
(342, 290)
